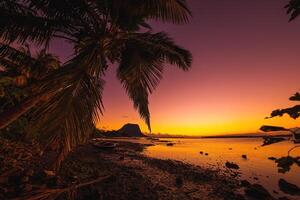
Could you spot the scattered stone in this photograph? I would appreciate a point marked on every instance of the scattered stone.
(257, 191)
(283, 198)
(29, 172)
(170, 144)
(53, 182)
(27, 188)
(231, 165)
(272, 158)
(179, 182)
(201, 152)
(206, 154)
(49, 173)
(121, 158)
(245, 183)
(284, 164)
(271, 140)
(275, 192)
(244, 156)
(288, 188)
(230, 149)
(255, 178)
(24, 179)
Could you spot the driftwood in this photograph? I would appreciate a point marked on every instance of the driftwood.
(52, 194)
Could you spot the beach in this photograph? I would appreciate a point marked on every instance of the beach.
(145, 168)
(128, 175)
(149, 168)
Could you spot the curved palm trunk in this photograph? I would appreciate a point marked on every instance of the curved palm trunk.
(11, 115)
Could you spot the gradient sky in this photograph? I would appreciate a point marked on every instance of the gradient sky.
(246, 63)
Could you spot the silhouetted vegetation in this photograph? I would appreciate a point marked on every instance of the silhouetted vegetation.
(67, 103)
(21, 72)
(47, 108)
(284, 163)
(293, 9)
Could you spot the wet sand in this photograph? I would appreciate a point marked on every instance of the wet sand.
(135, 176)
(129, 175)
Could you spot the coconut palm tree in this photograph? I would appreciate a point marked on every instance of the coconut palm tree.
(102, 32)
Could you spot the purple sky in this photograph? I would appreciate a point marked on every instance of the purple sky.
(246, 63)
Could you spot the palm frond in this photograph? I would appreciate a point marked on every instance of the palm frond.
(16, 6)
(142, 63)
(81, 15)
(20, 26)
(68, 118)
(293, 9)
(175, 11)
(101, 31)
(12, 58)
(139, 74)
(132, 15)
(164, 47)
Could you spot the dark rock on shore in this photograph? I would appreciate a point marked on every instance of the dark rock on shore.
(232, 165)
(129, 176)
(271, 140)
(288, 188)
(283, 198)
(244, 156)
(284, 164)
(272, 158)
(258, 192)
(245, 183)
(170, 144)
(179, 181)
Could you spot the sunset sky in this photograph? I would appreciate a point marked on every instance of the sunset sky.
(246, 63)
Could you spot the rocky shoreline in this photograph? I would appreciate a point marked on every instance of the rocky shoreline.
(122, 172)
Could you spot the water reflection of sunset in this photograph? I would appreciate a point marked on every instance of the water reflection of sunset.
(257, 165)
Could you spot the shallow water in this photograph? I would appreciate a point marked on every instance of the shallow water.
(256, 166)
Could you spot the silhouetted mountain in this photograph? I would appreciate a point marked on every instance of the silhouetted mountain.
(128, 130)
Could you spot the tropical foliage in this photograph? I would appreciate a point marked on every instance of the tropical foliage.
(19, 73)
(102, 32)
(293, 9)
(293, 112)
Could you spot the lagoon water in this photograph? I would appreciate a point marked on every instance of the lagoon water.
(256, 169)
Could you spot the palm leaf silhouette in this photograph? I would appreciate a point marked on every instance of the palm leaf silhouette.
(68, 101)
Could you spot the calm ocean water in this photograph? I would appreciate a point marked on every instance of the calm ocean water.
(256, 166)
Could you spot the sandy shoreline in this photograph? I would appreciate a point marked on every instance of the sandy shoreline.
(135, 176)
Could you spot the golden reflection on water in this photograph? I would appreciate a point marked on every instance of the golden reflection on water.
(256, 166)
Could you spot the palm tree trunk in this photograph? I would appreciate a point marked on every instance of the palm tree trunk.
(11, 115)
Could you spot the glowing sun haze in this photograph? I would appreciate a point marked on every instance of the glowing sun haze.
(246, 63)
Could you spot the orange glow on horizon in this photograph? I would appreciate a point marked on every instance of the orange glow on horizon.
(213, 128)
(245, 65)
